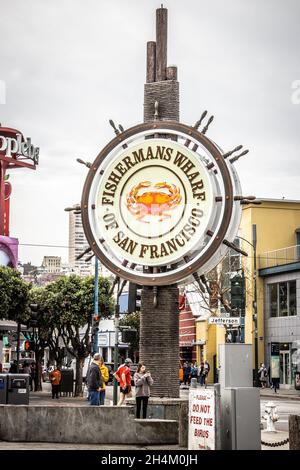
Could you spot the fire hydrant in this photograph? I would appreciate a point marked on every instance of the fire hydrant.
(270, 416)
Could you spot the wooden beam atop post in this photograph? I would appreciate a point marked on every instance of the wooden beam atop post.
(171, 72)
(151, 61)
(161, 43)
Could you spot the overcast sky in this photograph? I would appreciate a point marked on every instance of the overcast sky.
(70, 65)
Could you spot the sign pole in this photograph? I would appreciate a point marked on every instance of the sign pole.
(3, 167)
(116, 348)
(254, 241)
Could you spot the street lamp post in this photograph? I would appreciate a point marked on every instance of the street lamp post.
(254, 240)
(95, 318)
(18, 345)
(254, 304)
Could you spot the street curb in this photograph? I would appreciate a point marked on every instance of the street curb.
(278, 397)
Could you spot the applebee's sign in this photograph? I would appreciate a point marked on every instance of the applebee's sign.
(17, 145)
(158, 202)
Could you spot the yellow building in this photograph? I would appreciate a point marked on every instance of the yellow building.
(277, 225)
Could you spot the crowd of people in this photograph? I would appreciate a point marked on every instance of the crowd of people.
(190, 370)
(97, 378)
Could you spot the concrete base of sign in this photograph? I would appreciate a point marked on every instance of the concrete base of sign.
(174, 409)
(85, 425)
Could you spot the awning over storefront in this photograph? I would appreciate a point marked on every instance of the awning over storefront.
(8, 325)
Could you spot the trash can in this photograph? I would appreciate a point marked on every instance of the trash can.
(67, 382)
(3, 389)
(18, 389)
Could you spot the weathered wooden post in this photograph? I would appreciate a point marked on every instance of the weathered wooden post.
(159, 332)
(294, 432)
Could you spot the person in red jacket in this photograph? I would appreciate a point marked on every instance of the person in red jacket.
(124, 377)
(55, 378)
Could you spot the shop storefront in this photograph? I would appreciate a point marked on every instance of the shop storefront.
(282, 327)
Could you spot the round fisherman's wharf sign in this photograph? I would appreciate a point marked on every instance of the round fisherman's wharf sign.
(154, 202)
(156, 207)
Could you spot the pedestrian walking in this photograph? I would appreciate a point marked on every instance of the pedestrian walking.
(94, 380)
(201, 374)
(27, 370)
(33, 377)
(269, 379)
(55, 379)
(206, 372)
(13, 368)
(186, 373)
(123, 376)
(194, 371)
(262, 375)
(275, 384)
(105, 377)
(180, 374)
(142, 382)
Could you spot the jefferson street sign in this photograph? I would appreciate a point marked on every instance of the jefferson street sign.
(229, 321)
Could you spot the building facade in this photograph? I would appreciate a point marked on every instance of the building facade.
(77, 245)
(187, 331)
(278, 265)
(273, 287)
(51, 264)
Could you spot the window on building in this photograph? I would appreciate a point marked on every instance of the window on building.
(298, 243)
(273, 300)
(292, 298)
(282, 299)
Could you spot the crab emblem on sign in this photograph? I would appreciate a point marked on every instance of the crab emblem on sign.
(155, 202)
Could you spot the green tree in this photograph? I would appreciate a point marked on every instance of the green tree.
(43, 331)
(14, 295)
(68, 303)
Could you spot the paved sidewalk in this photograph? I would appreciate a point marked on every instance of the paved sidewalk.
(286, 394)
(4, 445)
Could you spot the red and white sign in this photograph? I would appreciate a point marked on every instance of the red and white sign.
(201, 419)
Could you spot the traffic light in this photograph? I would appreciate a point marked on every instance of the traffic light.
(237, 293)
(134, 297)
(129, 336)
(29, 346)
(34, 314)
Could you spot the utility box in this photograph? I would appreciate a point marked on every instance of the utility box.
(240, 419)
(235, 365)
(18, 389)
(3, 389)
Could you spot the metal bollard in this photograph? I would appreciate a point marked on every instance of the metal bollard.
(193, 383)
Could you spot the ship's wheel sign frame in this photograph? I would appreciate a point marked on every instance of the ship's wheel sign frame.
(158, 203)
